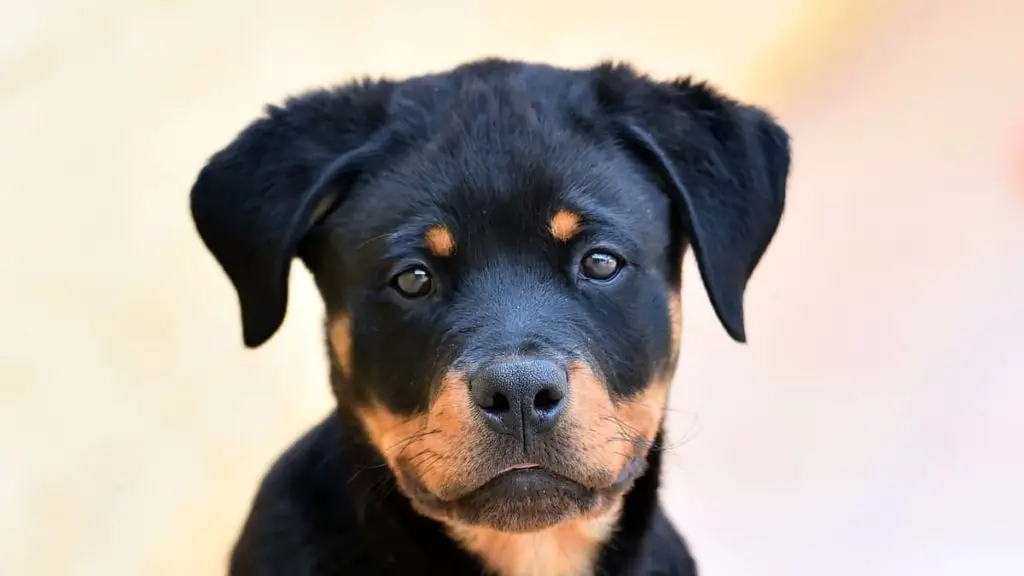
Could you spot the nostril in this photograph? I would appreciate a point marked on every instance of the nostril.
(497, 404)
(547, 400)
(521, 396)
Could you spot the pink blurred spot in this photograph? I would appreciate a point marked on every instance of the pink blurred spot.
(1017, 156)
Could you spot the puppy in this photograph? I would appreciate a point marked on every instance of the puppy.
(499, 252)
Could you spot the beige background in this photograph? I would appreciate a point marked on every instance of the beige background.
(872, 426)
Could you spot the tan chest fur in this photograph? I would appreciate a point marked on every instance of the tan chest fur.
(569, 549)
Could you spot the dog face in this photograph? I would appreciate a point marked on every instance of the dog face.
(498, 249)
(505, 332)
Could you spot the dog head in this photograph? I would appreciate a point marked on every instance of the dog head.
(498, 248)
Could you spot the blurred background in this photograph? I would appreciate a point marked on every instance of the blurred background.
(873, 425)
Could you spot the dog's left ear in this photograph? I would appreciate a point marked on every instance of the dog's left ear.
(723, 164)
(256, 199)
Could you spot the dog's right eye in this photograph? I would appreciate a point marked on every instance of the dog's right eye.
(414, 282)
(600, 266)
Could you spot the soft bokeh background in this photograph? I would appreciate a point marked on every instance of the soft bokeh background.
(872, 427)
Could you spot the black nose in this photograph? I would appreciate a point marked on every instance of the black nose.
(521, 397)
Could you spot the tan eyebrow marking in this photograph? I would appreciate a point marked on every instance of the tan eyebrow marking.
(440, 241)
(564, 225)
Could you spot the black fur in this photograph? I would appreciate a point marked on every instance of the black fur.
(348, 180)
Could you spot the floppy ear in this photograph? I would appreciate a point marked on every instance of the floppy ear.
(257, 198)
(724, 165)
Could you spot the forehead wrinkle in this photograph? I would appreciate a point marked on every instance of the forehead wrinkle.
(400, 242)
(406, 229)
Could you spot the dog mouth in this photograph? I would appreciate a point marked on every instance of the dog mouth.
(516, 481)
(523, 485)
(521, 497)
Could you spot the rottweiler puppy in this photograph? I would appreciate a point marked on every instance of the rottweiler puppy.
(499, 252)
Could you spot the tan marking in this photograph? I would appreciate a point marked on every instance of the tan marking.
(564, 225)
(609, 431)
(438, 445)
(567, 549)
(341, 342)
(440, 241)
(675, 316)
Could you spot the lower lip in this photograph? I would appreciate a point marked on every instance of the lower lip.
(524, 482)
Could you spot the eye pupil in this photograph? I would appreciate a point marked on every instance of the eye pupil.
(413, 283)
(600, 266)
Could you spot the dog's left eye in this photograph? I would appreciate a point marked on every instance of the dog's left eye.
(414, 282)
(600, 265)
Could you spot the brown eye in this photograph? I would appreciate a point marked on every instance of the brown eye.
(600, 265)
(414, 282)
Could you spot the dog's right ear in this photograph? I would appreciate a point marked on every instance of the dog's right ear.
(257, 198)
